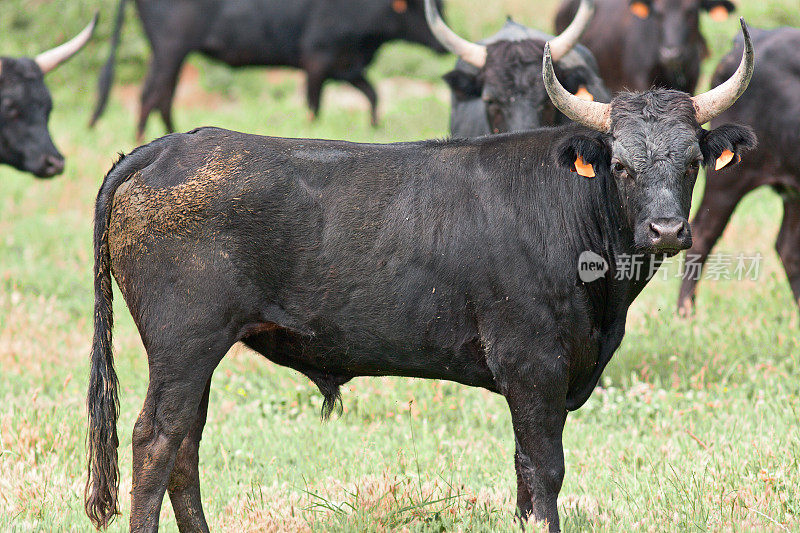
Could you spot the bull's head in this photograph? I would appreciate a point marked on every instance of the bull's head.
(509, 81)
(25, 106)
(676, 22)
(652, 146)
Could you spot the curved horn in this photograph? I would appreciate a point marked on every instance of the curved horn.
(593, 115)
(50, 59)
(712, 103)
(474, 54)
(567, 39)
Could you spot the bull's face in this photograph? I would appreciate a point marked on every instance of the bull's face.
(677, 24)
(510, 86)
(649, 147)
(25, 106)
(653, 153)
(509, 78)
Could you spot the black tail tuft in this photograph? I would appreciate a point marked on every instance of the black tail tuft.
(329, 387)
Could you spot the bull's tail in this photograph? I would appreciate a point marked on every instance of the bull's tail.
(102, 484)
(107, 74)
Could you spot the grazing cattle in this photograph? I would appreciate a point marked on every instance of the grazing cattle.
(454, 259)
(772, 108)
(641, 44)
(497, 84)
(329, 39)
(25, 106)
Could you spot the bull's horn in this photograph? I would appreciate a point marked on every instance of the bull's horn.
(563, 43)
(474, 54)
(49, 60)
(714, 102)
(593, 115)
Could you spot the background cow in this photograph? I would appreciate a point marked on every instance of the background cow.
(497, 84)
(772, 108)
(25, 106)
(647, 43)
(453, 259)
(329, 39)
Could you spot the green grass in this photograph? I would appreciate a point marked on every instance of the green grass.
(697, 428)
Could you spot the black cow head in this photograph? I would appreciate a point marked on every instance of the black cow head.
(411, 16)
(678, 25)
(652, 146)
(25, 106)
(509, 79)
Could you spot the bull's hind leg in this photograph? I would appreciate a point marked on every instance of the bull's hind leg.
(159, 87)
(184, 482)
(361, 83)
(788, 244)
(180, 370)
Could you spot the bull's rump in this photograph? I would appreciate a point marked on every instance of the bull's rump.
(338, 243)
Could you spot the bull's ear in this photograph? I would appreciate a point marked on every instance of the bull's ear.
(587, 156)
(723, 147)
(718, 9)
(640, 8)
(464, 85)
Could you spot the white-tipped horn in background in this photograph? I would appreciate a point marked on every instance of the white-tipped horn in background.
(474, 54)
(567, 39)
(713, 103)
(50, 59)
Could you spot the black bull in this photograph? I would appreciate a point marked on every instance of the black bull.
(441, 259)
(518, 49)
(771, 106)
(329, 39)
(646, 43)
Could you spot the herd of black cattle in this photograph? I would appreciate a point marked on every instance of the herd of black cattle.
(453, 259)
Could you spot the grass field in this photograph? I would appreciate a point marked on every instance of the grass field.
(696, 429)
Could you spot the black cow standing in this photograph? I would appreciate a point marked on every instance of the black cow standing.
(453, 259)
(329, 39)
(25, 106)
(497, 83)
(772, 108)
(641, 44)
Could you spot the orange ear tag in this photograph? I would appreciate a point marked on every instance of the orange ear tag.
(640, 9)
(724, 159)
(718, 14)
(400, 6)
(583, 169)
(584, 94)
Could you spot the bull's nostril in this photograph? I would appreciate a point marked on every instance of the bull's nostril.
(655, 231)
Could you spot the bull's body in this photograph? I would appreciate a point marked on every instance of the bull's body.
(468, 116)
(772, 108)
(329, 39)
(412, 259)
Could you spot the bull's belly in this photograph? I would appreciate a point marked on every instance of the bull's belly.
(328, 356)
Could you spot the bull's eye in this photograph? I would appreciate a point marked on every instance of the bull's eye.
(694, 167)
(619, 168)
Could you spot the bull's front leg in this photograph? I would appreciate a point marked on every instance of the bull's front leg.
(536, 395)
